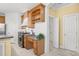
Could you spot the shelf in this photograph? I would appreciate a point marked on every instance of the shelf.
(36, 14)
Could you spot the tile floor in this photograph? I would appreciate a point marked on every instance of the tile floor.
(61, 52)
(17, 51)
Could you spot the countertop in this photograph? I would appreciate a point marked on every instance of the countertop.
(5, 36)
(31, 36)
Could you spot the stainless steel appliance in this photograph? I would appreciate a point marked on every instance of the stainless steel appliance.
(21, 39)
(2, 29)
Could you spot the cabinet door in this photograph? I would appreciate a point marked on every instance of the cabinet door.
(2, 19)
(30, 23)
(22, 18)
(42, 13)
(39, 47)
(25, 41)
(2, 49)
(6, 47)
(35, 47)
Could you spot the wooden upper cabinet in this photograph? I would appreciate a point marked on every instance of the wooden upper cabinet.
(36, 14)
(22, 18)
(30, 22)
(2, 19)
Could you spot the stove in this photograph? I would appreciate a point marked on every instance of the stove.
(21, 39)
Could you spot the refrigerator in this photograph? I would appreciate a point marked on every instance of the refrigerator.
(2, 29)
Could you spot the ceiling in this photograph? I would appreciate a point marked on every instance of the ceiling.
(58, 5)
(22, 7)
(15, 7)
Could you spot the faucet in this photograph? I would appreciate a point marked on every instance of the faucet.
(32, 32)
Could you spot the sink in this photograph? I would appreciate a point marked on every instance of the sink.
(33, 36)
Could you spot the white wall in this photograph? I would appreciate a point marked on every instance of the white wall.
(46, 28)
(13, 21)
(2, 14)
(39, 28)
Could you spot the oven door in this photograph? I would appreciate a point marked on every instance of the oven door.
(21, 40)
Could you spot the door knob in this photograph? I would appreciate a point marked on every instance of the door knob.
(64, 34)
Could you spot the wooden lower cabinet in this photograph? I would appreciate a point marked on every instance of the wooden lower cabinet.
(36, 45)
(25, 41)
(28, 42)
(39, 47)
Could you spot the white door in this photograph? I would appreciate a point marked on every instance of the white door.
(69, 22)
(77, 31)
(54, 31)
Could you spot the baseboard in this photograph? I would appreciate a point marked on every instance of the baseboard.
(61, 46)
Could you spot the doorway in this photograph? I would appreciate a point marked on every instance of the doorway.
(53, 32)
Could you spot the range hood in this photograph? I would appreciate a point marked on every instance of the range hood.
(25, 22)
